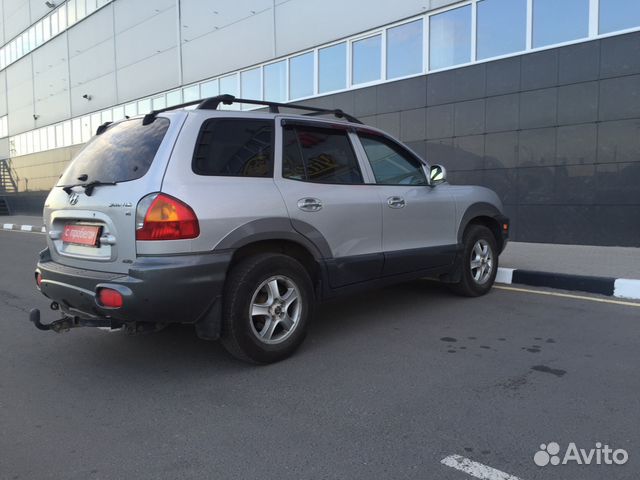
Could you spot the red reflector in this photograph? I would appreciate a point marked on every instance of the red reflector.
(505, 227)
(168, 219)
(110, 298)
(38, 278)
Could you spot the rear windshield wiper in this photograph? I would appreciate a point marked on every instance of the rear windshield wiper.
(88, 187)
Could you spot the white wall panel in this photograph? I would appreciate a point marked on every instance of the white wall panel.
(154, 35)
(38, 10)
(19, 84)
(3, 96)
(102, 91)
(92, 31)
(51, 81)
(156, 73)
(250, 41)
(16, 17)
(133, 12)
(203, 16)
(95, 62)
(302, 24)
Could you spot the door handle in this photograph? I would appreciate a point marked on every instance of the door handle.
(309, 204)
(396, 202)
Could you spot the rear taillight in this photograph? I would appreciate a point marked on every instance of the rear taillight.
(161, 217)
(110, 298)
(38, 279)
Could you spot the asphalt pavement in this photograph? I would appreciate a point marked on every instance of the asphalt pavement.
(388, 385)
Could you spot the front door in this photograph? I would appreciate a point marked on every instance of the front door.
(418, 219)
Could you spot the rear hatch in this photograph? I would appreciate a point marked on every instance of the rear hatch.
(90, 215)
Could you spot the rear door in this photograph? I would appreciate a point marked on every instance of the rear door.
(93, 227)
(418, 219)
(328, 200)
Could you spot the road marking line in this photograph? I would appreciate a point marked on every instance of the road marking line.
(7, 226)
(23, 231)
(475, 469)
(566, 295)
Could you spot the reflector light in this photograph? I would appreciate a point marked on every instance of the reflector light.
(38, 279)
(168, 219)
(110, 298)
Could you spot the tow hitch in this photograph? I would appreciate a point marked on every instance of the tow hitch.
(66, 323)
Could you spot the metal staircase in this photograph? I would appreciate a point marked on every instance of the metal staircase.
(7, 182)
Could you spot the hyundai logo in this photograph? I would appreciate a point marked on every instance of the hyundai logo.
(73, 198)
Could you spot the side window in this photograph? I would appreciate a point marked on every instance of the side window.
(319, 155)
(234, 147)
(392, 165)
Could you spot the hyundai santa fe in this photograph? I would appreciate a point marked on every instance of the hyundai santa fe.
(239, 222)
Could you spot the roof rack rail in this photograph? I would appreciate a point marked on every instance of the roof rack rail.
(212, 103)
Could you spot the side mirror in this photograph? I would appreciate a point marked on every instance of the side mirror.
(437, 175)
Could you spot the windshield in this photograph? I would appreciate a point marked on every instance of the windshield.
(123, 152)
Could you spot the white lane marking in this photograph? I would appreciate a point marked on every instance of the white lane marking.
(475, 469)
(505, 275)
(7, 226)
(626, 288)
(566, 295)
(26, 228)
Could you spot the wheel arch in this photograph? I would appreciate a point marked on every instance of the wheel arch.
(484, 214)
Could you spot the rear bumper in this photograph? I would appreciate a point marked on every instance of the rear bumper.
(173, 289)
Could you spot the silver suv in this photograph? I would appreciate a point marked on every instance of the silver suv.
(239, 222)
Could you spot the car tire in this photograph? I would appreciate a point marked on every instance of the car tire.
(478, 263)
(267, 307)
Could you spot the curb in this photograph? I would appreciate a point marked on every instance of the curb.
(611, 287)
(23, 228)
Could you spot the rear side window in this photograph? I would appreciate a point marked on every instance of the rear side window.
(123, 152)
(320, 155)
(234, 147)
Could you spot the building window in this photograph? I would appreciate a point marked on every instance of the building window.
(144, 107)
(190, 94)
(76, 131)
(301, 76)
(130, 109)
(502, 27)
(619, 15)
(229, 85)
(558, 22)
(404, 50)
(275, 82)
(250, 86)
(173, 98)
(4, 127)
(209, 89)
(332, 66)
(159, 103)
(450, 38)
(366, 59)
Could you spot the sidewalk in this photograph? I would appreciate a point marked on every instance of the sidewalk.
(611, 271)
(21, 222)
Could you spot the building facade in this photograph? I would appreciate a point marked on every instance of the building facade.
(537, 99)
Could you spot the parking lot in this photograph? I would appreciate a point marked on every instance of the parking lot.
(387, 386)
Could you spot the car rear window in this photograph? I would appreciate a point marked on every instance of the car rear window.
(235, 147)
(123, 152)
